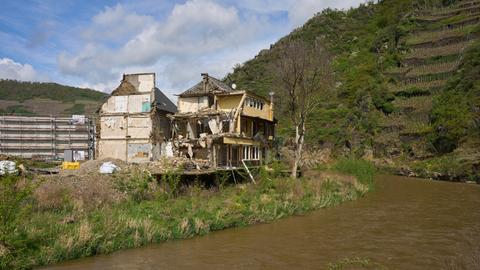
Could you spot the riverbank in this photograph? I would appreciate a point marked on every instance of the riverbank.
(445, 168)
(405, 223)
(56, 227)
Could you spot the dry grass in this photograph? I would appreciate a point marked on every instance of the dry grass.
(419, 85)
(432, 36)
(52, 195)
(82, 192)
(421, 70)
(417, 123)
(459, 10)
(433, 69)
(433, 15)
(422, 104)
(425, 53)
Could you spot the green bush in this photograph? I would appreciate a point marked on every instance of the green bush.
(15, 204)
(362, 169)
(413, 92)
(139, 186)
(455, 114)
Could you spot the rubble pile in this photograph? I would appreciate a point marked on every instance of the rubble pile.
(173, 164)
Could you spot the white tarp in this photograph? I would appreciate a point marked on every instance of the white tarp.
(7, 166)
(108, 168)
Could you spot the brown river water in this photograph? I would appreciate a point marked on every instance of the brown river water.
(403, 224)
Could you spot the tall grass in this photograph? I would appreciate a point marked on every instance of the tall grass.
(362, 169)
(150, 217)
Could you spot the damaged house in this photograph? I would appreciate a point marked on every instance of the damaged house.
(222, 125)
(133, 123)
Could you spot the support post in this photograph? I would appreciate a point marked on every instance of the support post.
(248, 171)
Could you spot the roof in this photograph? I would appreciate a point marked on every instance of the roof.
(213, 86)
(163, 102)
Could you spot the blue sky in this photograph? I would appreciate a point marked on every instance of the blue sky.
(91, 43)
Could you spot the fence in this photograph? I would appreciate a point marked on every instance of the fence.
(46, 138)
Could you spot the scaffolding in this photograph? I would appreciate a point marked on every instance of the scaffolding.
(46, 137)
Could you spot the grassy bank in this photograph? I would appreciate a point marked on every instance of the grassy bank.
(152, 212)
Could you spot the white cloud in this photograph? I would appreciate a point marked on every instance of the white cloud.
(10, 69)
(195, 36)
(116, 24)
(193, 30)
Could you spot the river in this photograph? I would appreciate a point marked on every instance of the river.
(404, 224)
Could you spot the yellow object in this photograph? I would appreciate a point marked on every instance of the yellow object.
(242, 141)
(71, 165)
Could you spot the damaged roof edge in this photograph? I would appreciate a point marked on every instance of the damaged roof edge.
(163, 102)
(215, 86)
(241, 92)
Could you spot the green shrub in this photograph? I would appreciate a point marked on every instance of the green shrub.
(413, 92)
(139, 186)
(455, 114)
(362, 169)
(15, 204)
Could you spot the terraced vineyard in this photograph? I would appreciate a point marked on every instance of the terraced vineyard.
(432, 52)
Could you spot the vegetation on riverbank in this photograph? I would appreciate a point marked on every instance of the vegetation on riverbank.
(154, 210)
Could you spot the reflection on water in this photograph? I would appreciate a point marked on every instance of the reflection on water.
(404, 224)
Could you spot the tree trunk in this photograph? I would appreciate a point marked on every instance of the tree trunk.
(299, 140)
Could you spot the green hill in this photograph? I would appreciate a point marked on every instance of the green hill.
(34, 98)
(407, 84)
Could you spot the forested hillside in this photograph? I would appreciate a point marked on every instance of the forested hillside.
(34, 98)
(407, 84)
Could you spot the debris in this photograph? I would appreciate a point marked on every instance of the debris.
(213, 125)
(169, 150)
(190, 151)
(22, 169)
(7, 167)
(124, 89)
(190, 133)
(108, 168)
(202, 142)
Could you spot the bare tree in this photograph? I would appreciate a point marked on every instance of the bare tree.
(303, 75)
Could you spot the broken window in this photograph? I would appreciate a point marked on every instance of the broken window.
(202, 127)
(255, 103)
(225, 126)
(234, 156)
